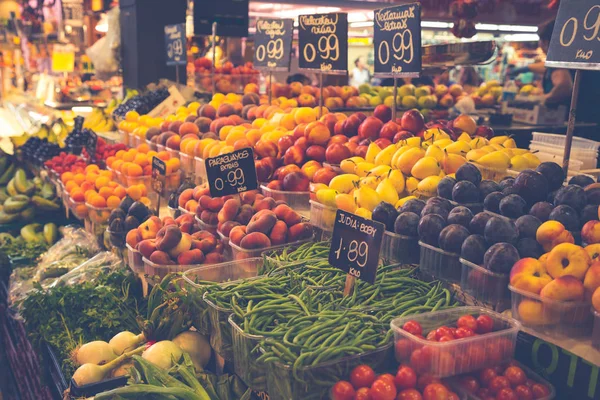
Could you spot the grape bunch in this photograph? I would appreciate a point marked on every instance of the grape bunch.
(142, 104)
(39, 150)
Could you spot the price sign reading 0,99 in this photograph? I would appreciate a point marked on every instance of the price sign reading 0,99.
(175, 45)
(231, 173)
(355, 245)
(323, 42)
(576, 37)
(273, 43)
(397, 40)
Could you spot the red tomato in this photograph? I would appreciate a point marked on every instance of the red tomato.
(418, 361)
(342, 391)
(446, 339)
(409, 394)
(435, 391)
(467, 321)
(486, 376)
(485, 324)
(413, 327)
(494, 354)
(403, 348)
(483, 392)
(453, 396)
(515, 375)
(498, 383)
(425, 380)
(406, 378)
(523, 393)
(386, 377)
(362, 376)
(540, 391)
(431, 336)
(443, 331)
(462, 333)
(468, 383)
(382, 389)
(529, 383)
(506, 394)
(362, 394)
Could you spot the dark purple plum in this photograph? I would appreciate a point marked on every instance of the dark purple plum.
(452, 237)
(444, 188)
(500, 258)
(386, 214)
(531, 186)
(541, 210)
(581, 180)
(499, 230)
(589, 213)
(460, 215)
(435, 209)
(513, 206)
(473, 249)
(468, 172)
(465, 192)
(430, 227)
(486, 187)
(478, 222)
(527, 226)
(554, 174)
(567, 216)
(441, 202)
(492, 202)
(407, 224)
(571, 195)
(592, 196)
(506, 182)
(412, 205)
(528, 247)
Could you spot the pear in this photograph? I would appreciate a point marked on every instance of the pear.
(345, 202)
(533, 160)
(489, 148)
(413, 141)
(327, 197)
(499, 139)
(519, 163)
(401, 150)
(478, 142)
(363, 212)
(464, 137)
(363, 168)
(366, 197)
(452, 162)
(407, 160)
(385, 156)
(426, 166)
(440, 134)
(387, 192)
(510, 143)
(370, 181)
(344, 183)
(348, 165)
(435, 152)
(442, 143)
(429, 134)
(476, 154)
(520, 152)
(497, 146)
(425, 145)
(380, 171)
(428, 186)
(496, 160)
(397, 180)
(461, 148)
(509, 152)
(372, 152)
(411, 184)
(403, 200)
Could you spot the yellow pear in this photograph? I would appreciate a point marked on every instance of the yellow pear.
(519, 163)
(435, 152)
(380, 171)
(349, 165)
(327, 197)
(497, 146)
(413, 141)
(401, 150)
(372, 152)
(387, 192)
(464, 137)
(452, 162)
(403, 200)
(442, 143)
(426, 166)
(407, 160)
(397, 180)
(440, 134)
(370, 181)
(499, 139)
(496, 160)
(363, 168)
(461, 148)
(425, 145)
(429, 134)
(509, 152)
(366, 197)
(510, 143)
(532, 159)
(520, 152)
(363, 212)
(478, 142)
(411, 184)
(385, 156)
(344, 183)
(345, 202)
(428, 186)
(476, 154)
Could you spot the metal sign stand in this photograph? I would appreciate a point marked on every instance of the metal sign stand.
(571, 122)
(214, 57)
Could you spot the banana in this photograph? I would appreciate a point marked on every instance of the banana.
(3, 164)
(16, 204)
(50, 233)
(8, 218)
(8, 174)
(44, 204)
(30, 232)
(6, 238)
(10, 188)
(3, 195)
(48, 191)
(27, 214)
(22, 184)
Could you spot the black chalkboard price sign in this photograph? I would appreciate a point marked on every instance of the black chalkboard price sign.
(175, 44)
(273, 44)
(355, 245)
(576, 37)
(323, 42)
(231, 173)
(159, 172)
(397, 41)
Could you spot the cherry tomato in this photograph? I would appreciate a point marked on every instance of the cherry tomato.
(506, 394)
(425, 380)
(406, 378)
(409, 394)
(529, 383)
(486, 376)
(446, 339)
(443, 331)
(435, 391)
(515, 375)
(386, 377)
(382, 389)
(418, 361)
(431, 336)
(523, 393)
(468, 383)
(467, 321)
(540, 391)
(485, 324)
(403, 349)
(483, 392)
(462, 333)
(362, 394)
(498, 383)
(362, 376)
(494, 354)
(413, 327)
(342, 391)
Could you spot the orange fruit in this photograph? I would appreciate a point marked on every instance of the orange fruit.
(143, 189)
(143, 148)
(67, 176)
(70, 185)
(173, 165)
(134, 170)
(119, 154)
(92, 168)
(145, 201)
(132, 116)
(163, 155)
(120, 192)
(125, 168)
(148, 170)
(151, 154)
(89, 194)
(77, 195)
(116, 165)
(141, 159)
(129, 156)
(112, 184)
(110, 160)
(105, 172)
(113, 202)
(97, 201)
(106, 192)
(85, 186)
(102, 181)
(134, 192)
(91, 177)
(79, 178)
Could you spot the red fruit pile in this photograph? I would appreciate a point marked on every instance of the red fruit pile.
(66, 162)
(365, 385)
(103, 150)
(466, 326)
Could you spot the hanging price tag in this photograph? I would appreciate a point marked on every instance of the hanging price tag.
(159, 173)
(323, 42)
(397, 41)
(273, 44)
(355, 245)
(231, 173)
(576, 37)
(175, 45)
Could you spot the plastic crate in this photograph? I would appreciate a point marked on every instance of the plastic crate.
(397, 248)
(455, 385)
(136, 140)
(200, 170)
(117, 239)
(156, 270)
(117, 176)
(199, 278)
(315, 382)
(298, 201)
(187, 164)
(160, 147)
(493, 174)
(98, 215)
(151, 144)
(79, 209)
(246, 350)
(440, 264)
(172, 152)
(443, 359)
(238, 253)
(322, 216)
(226, 246)
(204, 226)
(551, 317)
(135, 260)
(559, 140)
(146, 180)
(485, 286)
(124, 137)
(596, 330)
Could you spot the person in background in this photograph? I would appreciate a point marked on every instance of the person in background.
(469, 79)
(360, 74)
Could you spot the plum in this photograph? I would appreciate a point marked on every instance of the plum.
(554, 174)
(581, 180)
(527, 226)
(589, 213)
(444, 188)
(465, 192)
(500, 258)
(486, 187)
(492, 202)
(567, 216)
(541, 210)
(528, 247)
(452, 237)
(571, 195)
(435, 209)
(468, 172)
(498, 230)
(440, 201)
(473, 249)
(513, 206)
(412, 205)
(478, 222)
(407, 224)
(430, 227)
(386, 214)
(506, 182)
(460, 215)
(509, 190)
(592, 196)
(531, 186)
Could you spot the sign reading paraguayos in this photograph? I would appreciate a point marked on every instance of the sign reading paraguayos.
(175, 44)
(397, 41)
(273, 44)
(323, 42)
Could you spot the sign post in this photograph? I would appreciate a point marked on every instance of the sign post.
(231, 173)
(175, 47)
(273, 46)
(575, 44)
(397, 42)
(323, 43)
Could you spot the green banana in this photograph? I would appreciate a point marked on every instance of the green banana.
(10, 188)
(8, 218)
(48, 191)
(43, 204)
(22, 184)
(3, 164)
(8, 174)
(6, 238)
(30, 232)
(16, 204)
(3, 195)
(27, 214)
(50, 233)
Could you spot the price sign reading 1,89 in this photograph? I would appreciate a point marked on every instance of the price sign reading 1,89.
(231, 173)
(397, 40)
(355, 245)
(323, 42)
(576, 37)
(273, 43)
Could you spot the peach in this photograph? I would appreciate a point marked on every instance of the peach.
(275, 185)
(184, 244)
(225, 110)
(168, 221)
(324, 175)
(329, 120)
(552, 233)
(248, 197)
(265, 148)
(564, 288)
(305, 115)
(245, 214)
(592, 280)
(161, 258)
(294, 155)
(185, 196)
(317, 133)
(227, 226)
(590, 233)
(264, 171)
(175, 125)
(314, 152)
(336, 153)
(300, 231)
(152, 132)
(236, 234)
(190, 257)
(532, 312)
(596, 300)
(163, 137)
(200, 191)
(278, 234)
(303, 144)
(213, 204)
(298, 131)
(544, 259)
(149, 228)
(187, 128)
(191, 205)
(147, 247)
(214, 258)
(284, 143)
(206, 245)
(207, 111)
(281, 172)
(209, 217)
(310, 167)
(229, 210)
(133, 238)
(568, 259)
(203, 124)
(530, 275)
(201, 235)
(287, 214)
(296, 182)
(263, 221)
(255, 240)
(268, 203)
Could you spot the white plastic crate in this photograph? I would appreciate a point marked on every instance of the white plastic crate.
(559, 140)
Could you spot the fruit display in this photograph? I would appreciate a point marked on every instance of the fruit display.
(99, 121)
(64, 162)
(128, 216)
(488, 94)
(141, 103)
(229, 78)
(55, 133)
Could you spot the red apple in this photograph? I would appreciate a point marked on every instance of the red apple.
(383, 112)
(302, 143)
(362, 116)
(337, 139)
(369, 128)
(299, 131)
(336, 153)
(402, 135)
(412, 120)
(361, 151)
(284, 143)
(352, 147)
(316, 153)
(351, 125)
(338, 129)
(484, 131)
(383, 142)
